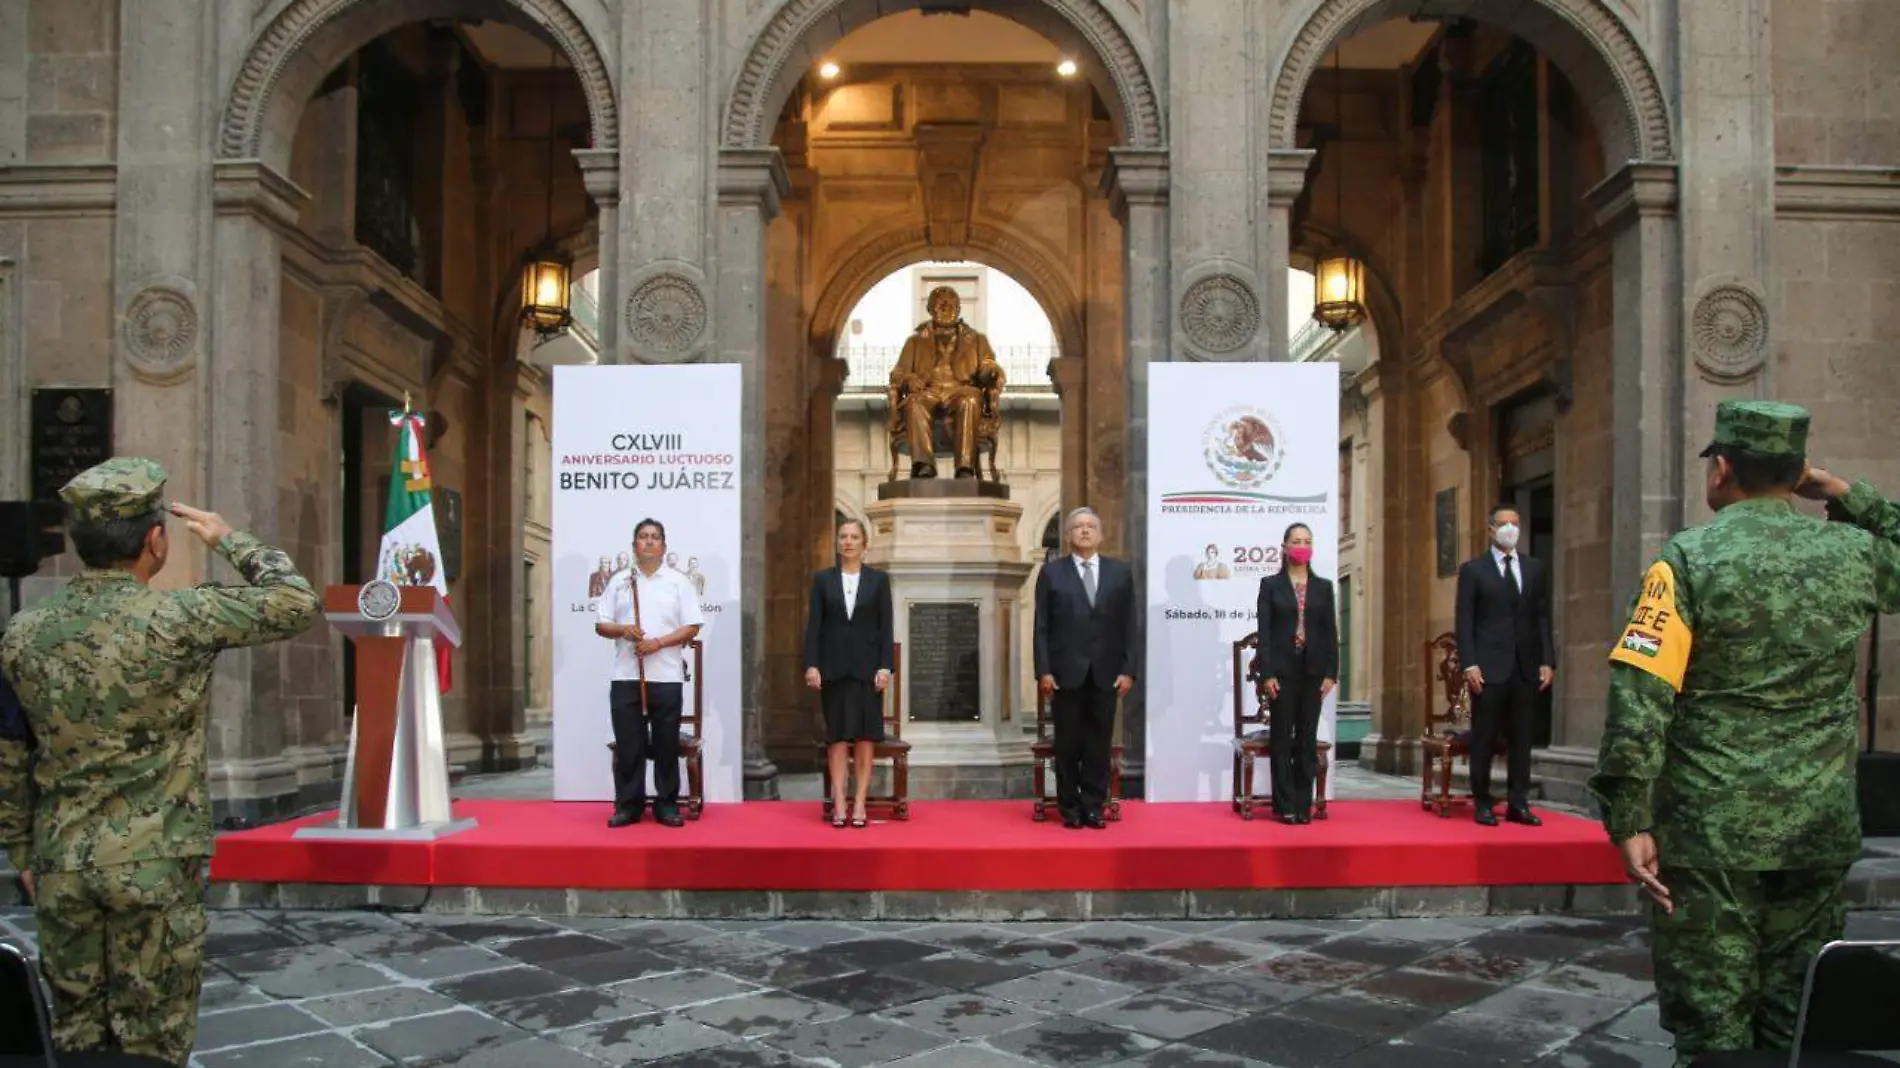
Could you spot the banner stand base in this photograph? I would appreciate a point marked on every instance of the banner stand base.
(421, 832)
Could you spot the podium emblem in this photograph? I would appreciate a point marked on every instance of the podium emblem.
(379, 600)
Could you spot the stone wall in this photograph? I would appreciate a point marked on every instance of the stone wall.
(1835, 307)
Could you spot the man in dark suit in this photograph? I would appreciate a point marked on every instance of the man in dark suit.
(1085, 660)
(1504, 641)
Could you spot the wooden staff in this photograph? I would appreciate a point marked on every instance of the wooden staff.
(640, 661)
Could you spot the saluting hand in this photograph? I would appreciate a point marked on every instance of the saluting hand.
(1818, 485)
(210, 527)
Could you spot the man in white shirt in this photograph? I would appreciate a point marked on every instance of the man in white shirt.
(651, 613)
(1504, 642)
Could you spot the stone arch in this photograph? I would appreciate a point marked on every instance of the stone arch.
(1587, 39)
(798, 30)
(306, 39)
(873, 261)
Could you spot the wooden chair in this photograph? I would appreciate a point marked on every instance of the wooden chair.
(692, 736)
(1253, 738)
(893, 748)
(989, 428)
(1042, 752)
(1447, 733)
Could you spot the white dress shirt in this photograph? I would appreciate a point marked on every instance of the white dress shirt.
(1498, 557)
(667, 603)
(850, 590)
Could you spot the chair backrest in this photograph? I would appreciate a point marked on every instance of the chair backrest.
(1250, 706)
(1447, 697)
(894, 695)
(1847, 1000)
(690, 714)
(25, 1027)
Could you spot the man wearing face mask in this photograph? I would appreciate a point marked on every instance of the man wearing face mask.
(1504, 641)
(1726, 773)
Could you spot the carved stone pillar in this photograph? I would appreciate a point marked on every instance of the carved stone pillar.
(1286, 178)
(600, 171)
(1136, 181)
(750, 182)
(1637, 206)
(828, 375)
(1068, 374)
(240, 391)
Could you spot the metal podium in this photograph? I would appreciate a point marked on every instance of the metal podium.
(396, 780)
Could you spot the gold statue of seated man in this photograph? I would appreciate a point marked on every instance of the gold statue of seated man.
(947, 371)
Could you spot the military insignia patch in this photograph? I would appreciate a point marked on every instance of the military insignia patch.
(1656, 641)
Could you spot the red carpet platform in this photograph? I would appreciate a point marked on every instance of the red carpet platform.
(946, 845)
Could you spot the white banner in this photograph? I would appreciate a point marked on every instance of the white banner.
(1236, 453)
(631, 443)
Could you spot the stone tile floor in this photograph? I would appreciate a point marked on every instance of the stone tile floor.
(350, 989)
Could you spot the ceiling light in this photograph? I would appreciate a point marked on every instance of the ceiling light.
(827, 70)
(1066, 68)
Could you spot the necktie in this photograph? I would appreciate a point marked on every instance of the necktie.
(1510, 575)
(1088, 580)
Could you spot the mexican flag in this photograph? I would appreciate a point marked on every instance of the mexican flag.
(411, 553)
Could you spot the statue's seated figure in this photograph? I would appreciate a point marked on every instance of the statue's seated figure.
(948, 378)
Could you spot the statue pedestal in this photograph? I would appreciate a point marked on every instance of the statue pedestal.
(957, 576)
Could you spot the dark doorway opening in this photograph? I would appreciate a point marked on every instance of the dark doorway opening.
(366, 457)
(1528, 447)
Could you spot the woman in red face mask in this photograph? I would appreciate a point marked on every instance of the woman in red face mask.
(1298, 663)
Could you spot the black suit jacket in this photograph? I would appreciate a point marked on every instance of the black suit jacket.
(1277, 611)
(855, 648)
(1076, 642)
(1497, 633)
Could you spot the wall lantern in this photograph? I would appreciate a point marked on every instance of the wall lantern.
(546, 281)
(1339, 292)
(546, 292)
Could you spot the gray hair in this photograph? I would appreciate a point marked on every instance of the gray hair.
(1069, 523)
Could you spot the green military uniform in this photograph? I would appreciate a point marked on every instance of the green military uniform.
(113, 813)
(1732, 737)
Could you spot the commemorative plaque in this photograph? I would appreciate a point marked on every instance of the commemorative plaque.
(72, 431)
(942, 656)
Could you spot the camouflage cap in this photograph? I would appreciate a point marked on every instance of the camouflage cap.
(124, 487)
(1761, 428)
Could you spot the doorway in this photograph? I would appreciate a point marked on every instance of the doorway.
(1527, 427)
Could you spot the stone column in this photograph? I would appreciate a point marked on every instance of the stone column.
(1137, 182)
(600, 172)
(1637, 207)
(668, 83)
(1725, 126)
(162, 253)
(1286, 179)
(1067, 373)
(240, 391)
(750, 183)
(828, 375)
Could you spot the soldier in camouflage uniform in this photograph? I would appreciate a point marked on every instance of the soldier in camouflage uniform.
(1726, 773)
(113, 814)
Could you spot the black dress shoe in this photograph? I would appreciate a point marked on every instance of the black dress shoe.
(1523, 816)
(1094, 821)
(1303, 819)
(1487, 818)
(622, 817)
(669, 819)
(1073, 823)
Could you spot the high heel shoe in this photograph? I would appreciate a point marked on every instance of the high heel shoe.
(837, 816)
(858, 820)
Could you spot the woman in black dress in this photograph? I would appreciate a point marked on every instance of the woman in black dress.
(848, 640)
(1299, 663)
